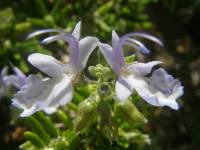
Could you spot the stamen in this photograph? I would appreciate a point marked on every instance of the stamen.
(45, 31)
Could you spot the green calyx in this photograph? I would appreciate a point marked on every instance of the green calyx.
(86, 114)
(128, 112)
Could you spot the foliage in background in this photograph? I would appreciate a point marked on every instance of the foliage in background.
(176, 21)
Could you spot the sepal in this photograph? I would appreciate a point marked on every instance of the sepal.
(128, 112)
(86, 113)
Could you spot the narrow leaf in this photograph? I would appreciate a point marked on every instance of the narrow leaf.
(34, 139)
(47, 123)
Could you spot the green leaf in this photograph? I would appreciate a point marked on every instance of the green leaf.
(41, 8)
(7, 19)
(104, 8)
(26, 145)
(34, 139)
(128, 112)
(64, 118)
(47, 123)
(86, 112)
(73, 138)
(38, 129)
(56, 7)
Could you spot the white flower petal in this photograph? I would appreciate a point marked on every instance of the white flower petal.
(28, 112)
(12, 80)
(86, 46)
(77, 30)
(65, 93)
(46, 64)
(141, 86)
(19, 73)
(160, 89)
(107, 51)
(115, 38)
(122, 88)
(142, 68)
(50, 110)
(40, 94)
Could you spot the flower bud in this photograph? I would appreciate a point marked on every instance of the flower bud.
(86, 114)
(129, 112)
(100, 71)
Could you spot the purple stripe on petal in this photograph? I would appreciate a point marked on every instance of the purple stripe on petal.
(118, 58)
(164, 82)
(118, 55)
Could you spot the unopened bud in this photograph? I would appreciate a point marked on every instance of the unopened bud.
(86, 114)
(129, 112)
(100, 71)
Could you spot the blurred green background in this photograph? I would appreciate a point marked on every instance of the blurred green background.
(175, 22)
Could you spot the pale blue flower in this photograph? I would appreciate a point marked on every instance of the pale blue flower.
(16, 80)
(49, 93)
(155, 87)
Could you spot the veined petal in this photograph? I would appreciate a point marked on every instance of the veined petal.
(86, 46)
(165, 82)
(118, 55)
(46, 64)
(160, 89)
(142, 68)
(77, 30)
(122, 88)
(39, 94)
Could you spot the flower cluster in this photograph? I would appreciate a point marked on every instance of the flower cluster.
(155, 86)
